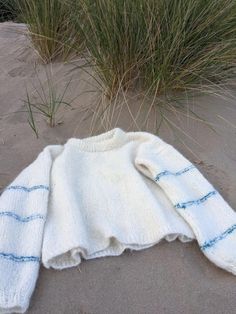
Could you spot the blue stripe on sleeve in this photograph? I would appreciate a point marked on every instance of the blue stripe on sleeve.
(195, 202)
(210, 243)
(27, 189)
(20, 218)
(16, 258)
(170, 173)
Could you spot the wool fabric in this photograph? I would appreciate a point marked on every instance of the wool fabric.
(98, 196)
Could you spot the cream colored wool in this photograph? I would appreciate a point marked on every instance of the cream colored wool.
(97, 197)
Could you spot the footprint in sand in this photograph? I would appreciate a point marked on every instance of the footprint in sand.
(21, 71)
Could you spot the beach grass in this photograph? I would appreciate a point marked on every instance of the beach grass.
(159, 49)
(46, 99)
(50, 27)
(162, 45)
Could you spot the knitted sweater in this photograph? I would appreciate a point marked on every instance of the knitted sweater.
(97, 197)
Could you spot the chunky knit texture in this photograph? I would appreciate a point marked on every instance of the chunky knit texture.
(97, 197)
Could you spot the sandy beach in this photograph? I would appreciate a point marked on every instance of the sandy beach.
(167, 278)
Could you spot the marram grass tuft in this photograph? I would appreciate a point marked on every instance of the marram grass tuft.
(50, 28)
(162, 45)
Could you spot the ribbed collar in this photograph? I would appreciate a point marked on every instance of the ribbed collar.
(102, 142)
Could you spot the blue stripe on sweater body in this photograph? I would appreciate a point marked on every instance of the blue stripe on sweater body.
(195, 202)
(16, 258)
(210, 243)
(27, 189)
(20, 218)
(170, 173)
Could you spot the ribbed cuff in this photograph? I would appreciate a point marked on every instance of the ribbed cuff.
(13, 302)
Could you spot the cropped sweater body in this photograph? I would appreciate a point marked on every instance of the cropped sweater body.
(98, 196)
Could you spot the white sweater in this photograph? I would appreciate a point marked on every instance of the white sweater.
(97, 197)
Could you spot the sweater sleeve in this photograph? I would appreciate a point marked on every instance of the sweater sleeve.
(23, 209)
(211, 218)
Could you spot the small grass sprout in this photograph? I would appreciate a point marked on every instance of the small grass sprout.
(46, 100)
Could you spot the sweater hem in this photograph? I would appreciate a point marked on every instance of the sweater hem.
(111, 246)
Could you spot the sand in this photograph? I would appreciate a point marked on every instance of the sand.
(167, 278)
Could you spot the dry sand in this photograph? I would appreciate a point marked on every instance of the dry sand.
(167, 278)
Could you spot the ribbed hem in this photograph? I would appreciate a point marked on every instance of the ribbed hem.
(13, 302)
(102, 142)
(71, 255)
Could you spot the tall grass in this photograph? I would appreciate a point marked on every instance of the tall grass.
(164, 45)
(195, 45)
(160, 45)
(111, 32)
(50, 27)
(156, 48)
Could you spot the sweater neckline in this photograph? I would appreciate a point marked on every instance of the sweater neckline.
(102, 142)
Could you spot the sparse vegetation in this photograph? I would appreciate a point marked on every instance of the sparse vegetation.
(45, 100)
